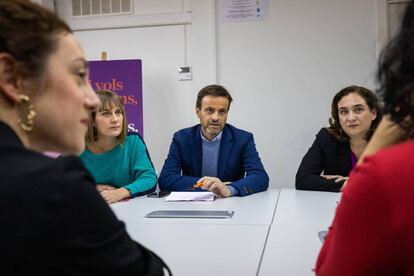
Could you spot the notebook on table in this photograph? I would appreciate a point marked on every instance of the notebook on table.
(190, 214)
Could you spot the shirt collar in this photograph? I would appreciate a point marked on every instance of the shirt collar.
(217, 138)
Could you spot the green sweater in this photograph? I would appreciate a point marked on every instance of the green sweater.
(126, 166)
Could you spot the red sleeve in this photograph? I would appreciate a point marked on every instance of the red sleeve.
(361, 236)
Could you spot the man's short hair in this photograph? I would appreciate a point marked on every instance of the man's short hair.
(213, 90)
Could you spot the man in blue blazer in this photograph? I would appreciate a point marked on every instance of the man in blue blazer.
(213, 155)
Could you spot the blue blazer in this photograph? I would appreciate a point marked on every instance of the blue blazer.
(238, 162)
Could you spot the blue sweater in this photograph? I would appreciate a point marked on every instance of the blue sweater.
(127, 165)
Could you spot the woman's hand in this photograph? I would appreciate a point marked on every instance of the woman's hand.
(387, 134)
(103, 187)
(115, 195)
(337, 178)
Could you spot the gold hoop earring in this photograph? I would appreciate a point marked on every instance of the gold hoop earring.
(30, 115)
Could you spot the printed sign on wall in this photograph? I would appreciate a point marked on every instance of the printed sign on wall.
(123, 77)
(243, 10)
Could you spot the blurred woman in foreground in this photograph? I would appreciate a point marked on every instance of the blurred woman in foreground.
(372, 232)
(54, 221)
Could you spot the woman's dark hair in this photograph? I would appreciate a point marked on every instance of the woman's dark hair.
(396, 73)
(28, 32)
(213, 90)
(373, 104)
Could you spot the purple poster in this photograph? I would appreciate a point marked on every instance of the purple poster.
(123, 77)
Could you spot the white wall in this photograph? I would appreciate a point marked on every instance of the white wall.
(284, 71)
(167, 101)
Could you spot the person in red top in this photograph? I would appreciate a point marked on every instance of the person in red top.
(373, 229)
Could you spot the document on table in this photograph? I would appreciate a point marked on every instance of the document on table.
(191, 196)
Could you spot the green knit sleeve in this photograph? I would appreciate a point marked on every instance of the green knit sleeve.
(143, 174)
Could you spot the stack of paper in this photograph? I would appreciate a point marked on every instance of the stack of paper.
(191, 196)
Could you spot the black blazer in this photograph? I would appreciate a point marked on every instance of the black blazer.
(53, 222)
(327, 155)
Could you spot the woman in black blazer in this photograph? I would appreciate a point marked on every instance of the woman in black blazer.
(355, 115)
(53, 220)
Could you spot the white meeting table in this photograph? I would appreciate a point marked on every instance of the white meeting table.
(204, 246)
(271, 233)
(204, 249)
(293, 243)
(256, 209)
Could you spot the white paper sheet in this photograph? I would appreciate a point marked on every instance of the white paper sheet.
(191, 196)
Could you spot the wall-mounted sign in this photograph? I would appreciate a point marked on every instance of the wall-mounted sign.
(123, 77)
(243, 10)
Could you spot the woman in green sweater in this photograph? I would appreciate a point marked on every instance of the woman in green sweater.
(119, 163)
